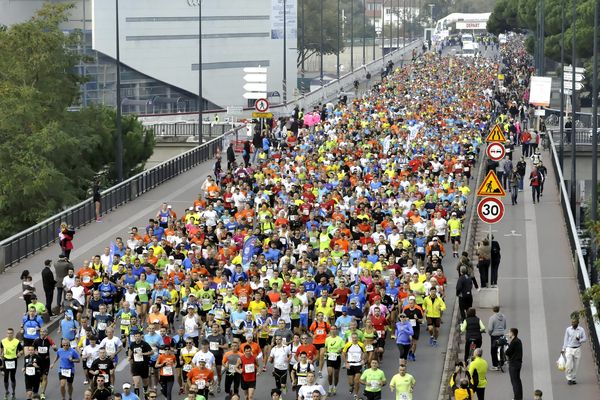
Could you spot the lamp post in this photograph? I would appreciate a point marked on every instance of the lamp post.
(302, 44)
(562, 84)
(364, 60)
(321, 44)
(351, 34)
(573, 187)
(594, 205)
(541, 38)
(200, 100)
(403, 22)
(118, 127)
(339, 34)
(398, 24)
(284, 83)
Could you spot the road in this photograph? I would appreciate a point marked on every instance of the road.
(538, 291)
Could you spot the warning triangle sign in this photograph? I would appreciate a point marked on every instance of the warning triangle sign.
(495, 135)
(491, 186)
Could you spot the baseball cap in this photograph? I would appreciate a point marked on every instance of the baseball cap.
(127, 385)
(411, 297)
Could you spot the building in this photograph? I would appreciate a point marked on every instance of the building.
(159, 54)
(394, 12)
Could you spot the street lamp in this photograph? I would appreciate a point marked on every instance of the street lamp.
(200, 101)
(351, 33)
(284, 83)
(338, 40)
(321, 44)
(594, 205)
(364, 60)
(119, 129)
(431, 11)
(562, 84)
(573, 106)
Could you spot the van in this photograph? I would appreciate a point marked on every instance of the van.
(502, 38)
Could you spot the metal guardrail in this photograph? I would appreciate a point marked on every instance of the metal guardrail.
(581, 270)
(584, 118)
(29, 241)
(455, 337)
(209, 130)
(583, 136)
(329, 91)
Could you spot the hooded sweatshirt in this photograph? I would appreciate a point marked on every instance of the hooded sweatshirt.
(497, 324)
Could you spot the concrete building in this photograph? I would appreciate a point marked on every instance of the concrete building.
(159, 49)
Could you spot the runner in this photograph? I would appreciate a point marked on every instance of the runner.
(319, 330)
(230, 361)
(166, 363)
(333, 347)
(247, 366)
(433, 306)
(374, 379)
(10, 350)
(66, 357)
(32, 372)
(42, 346)
(355, 355)
(306, 391)
(415, 316)
(300, 372)
(403, 384)
(280, 358)
(139, 360)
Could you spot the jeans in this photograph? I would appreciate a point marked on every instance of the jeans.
(464, 303)
(494, 274)
(514, 370)
(514, 193)
(535, 193)
(484, 266)
(521, 182)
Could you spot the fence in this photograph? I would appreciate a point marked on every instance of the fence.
(209, 130)
(584, 119)
(581, 270)
(582, 136)
(27, 242)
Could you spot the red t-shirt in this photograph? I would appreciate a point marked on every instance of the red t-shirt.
(249, 367)
(343, 295)
(309, 349)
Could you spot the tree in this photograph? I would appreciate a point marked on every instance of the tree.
(50, 156)
(312, 26)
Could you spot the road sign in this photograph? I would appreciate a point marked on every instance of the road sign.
(490, 210)
(255, 70)
(259, 78)
(262, 115)
(569, 85)
(491, 186)
(255, 87)
(569, 77)
(495, 135)
(261, 105)
(496, 151)
(578, 70)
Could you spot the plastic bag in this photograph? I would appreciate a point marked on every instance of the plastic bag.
(561, 363)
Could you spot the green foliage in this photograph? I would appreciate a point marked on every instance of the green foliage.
(50, 156)
(473, 6)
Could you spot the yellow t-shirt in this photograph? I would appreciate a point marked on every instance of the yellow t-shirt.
(255, 306)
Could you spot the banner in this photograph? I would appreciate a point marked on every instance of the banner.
(248, 251)
(539, 91)
(277, 16)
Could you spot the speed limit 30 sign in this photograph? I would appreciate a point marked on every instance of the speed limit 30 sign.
(490, 210)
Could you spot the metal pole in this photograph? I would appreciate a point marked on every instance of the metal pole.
(302, 41)
(321, 45)
(119, 142)
(383, 31)
(83, 73)
(364, 61)
(398, 24)
(542, 35)
(594, 205)
(403, 21)
(200, 100)
(562, 85)
(573, 108)
(392, 26)
(284, 52)
(351, 34)
(338, 39)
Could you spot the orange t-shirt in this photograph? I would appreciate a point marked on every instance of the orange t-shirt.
(319, 331)
(87, 276)
(169, 361)
(309, 349)
(255, 347)
(198, 376)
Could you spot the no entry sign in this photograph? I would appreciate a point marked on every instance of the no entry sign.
(490, 210)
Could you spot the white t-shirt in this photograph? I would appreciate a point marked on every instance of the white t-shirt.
(280, 357)
(112, 346)
(305, 392)
(68, 282)
(79, 294)
(91, 353)
(286, 310)
(207, 357)
(440, 226)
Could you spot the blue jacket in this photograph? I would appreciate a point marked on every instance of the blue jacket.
(31, 326)
(404, 332)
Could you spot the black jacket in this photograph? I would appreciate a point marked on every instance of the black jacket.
(514, 352)
(48, 278)
(464, 286)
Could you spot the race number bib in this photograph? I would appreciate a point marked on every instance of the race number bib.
(141, 290)
(243, 299)
(338, 307)
(31, 331)
(42, 350)
(167, 370)
(420, 249)
(30, 371)
(413, 322)
(101, 326)
(214, 346)
(232, 369)
(66, 372)
(249, 368)
(302, 380)
(435, 253)
(332, 356)
(86, 279)
(403, 396)
(12, 364)
(320, 331)
(375, 384)
(187, 367)
(201, 383)
(138, 357)
(354, 357)
(125, 322)
(369, 347)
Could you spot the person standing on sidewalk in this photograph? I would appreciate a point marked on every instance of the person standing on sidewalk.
(48, 282)
(574, 338)
(464, 292)
(484, 253)
(514, 354)
(521, 167)
(506, 167)
(496, 329)
(495, 257)
(514, 182)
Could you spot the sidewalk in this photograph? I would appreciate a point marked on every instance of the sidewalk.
(538, 291)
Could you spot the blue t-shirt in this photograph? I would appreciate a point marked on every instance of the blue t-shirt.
(63, 357)
(69, 329)
(155, 341)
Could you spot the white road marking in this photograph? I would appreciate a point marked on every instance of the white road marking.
(513, 233)
(110, 234)
(540, 359)
(122, 364)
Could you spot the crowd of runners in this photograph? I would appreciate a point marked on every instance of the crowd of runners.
(301, 261)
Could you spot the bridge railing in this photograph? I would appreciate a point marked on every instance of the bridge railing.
(583, 136)
(583, 276)
(31, 240)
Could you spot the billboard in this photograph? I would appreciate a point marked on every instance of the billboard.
(291, 18)
(539, 91)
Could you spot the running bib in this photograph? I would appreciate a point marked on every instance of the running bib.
(369, 347)
(413, 322)
(167, 370)
(101, 326)
(249, 368)
(66, 372)
(403, 396)
(420, 249)
(214, 346)
(125, 322)
(201, 383)
(243, 299)
(12, 364)
(332, 356)
(42, 350)
(296, 309)
(454, 232)
(320, 331)
(86, 279)
(138, 357)
(232, 369)
(31, 331)
(205, 302)
(281, 366)
(375, 384)
(435, 253)
(338, 307)
(30, 371)
(141, 290)
(380, 334)
(302, 380)
(187, 367)
(354, 357)
(219, 314)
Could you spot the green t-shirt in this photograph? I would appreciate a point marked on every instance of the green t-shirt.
(403, 386)
(296, 308)
(207, 298)
(361, 335)
(374, 379)
(198, 397)
(143, 290)
(334, 344)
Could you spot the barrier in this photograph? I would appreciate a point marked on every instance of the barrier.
(578, 260)
(27, 242)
